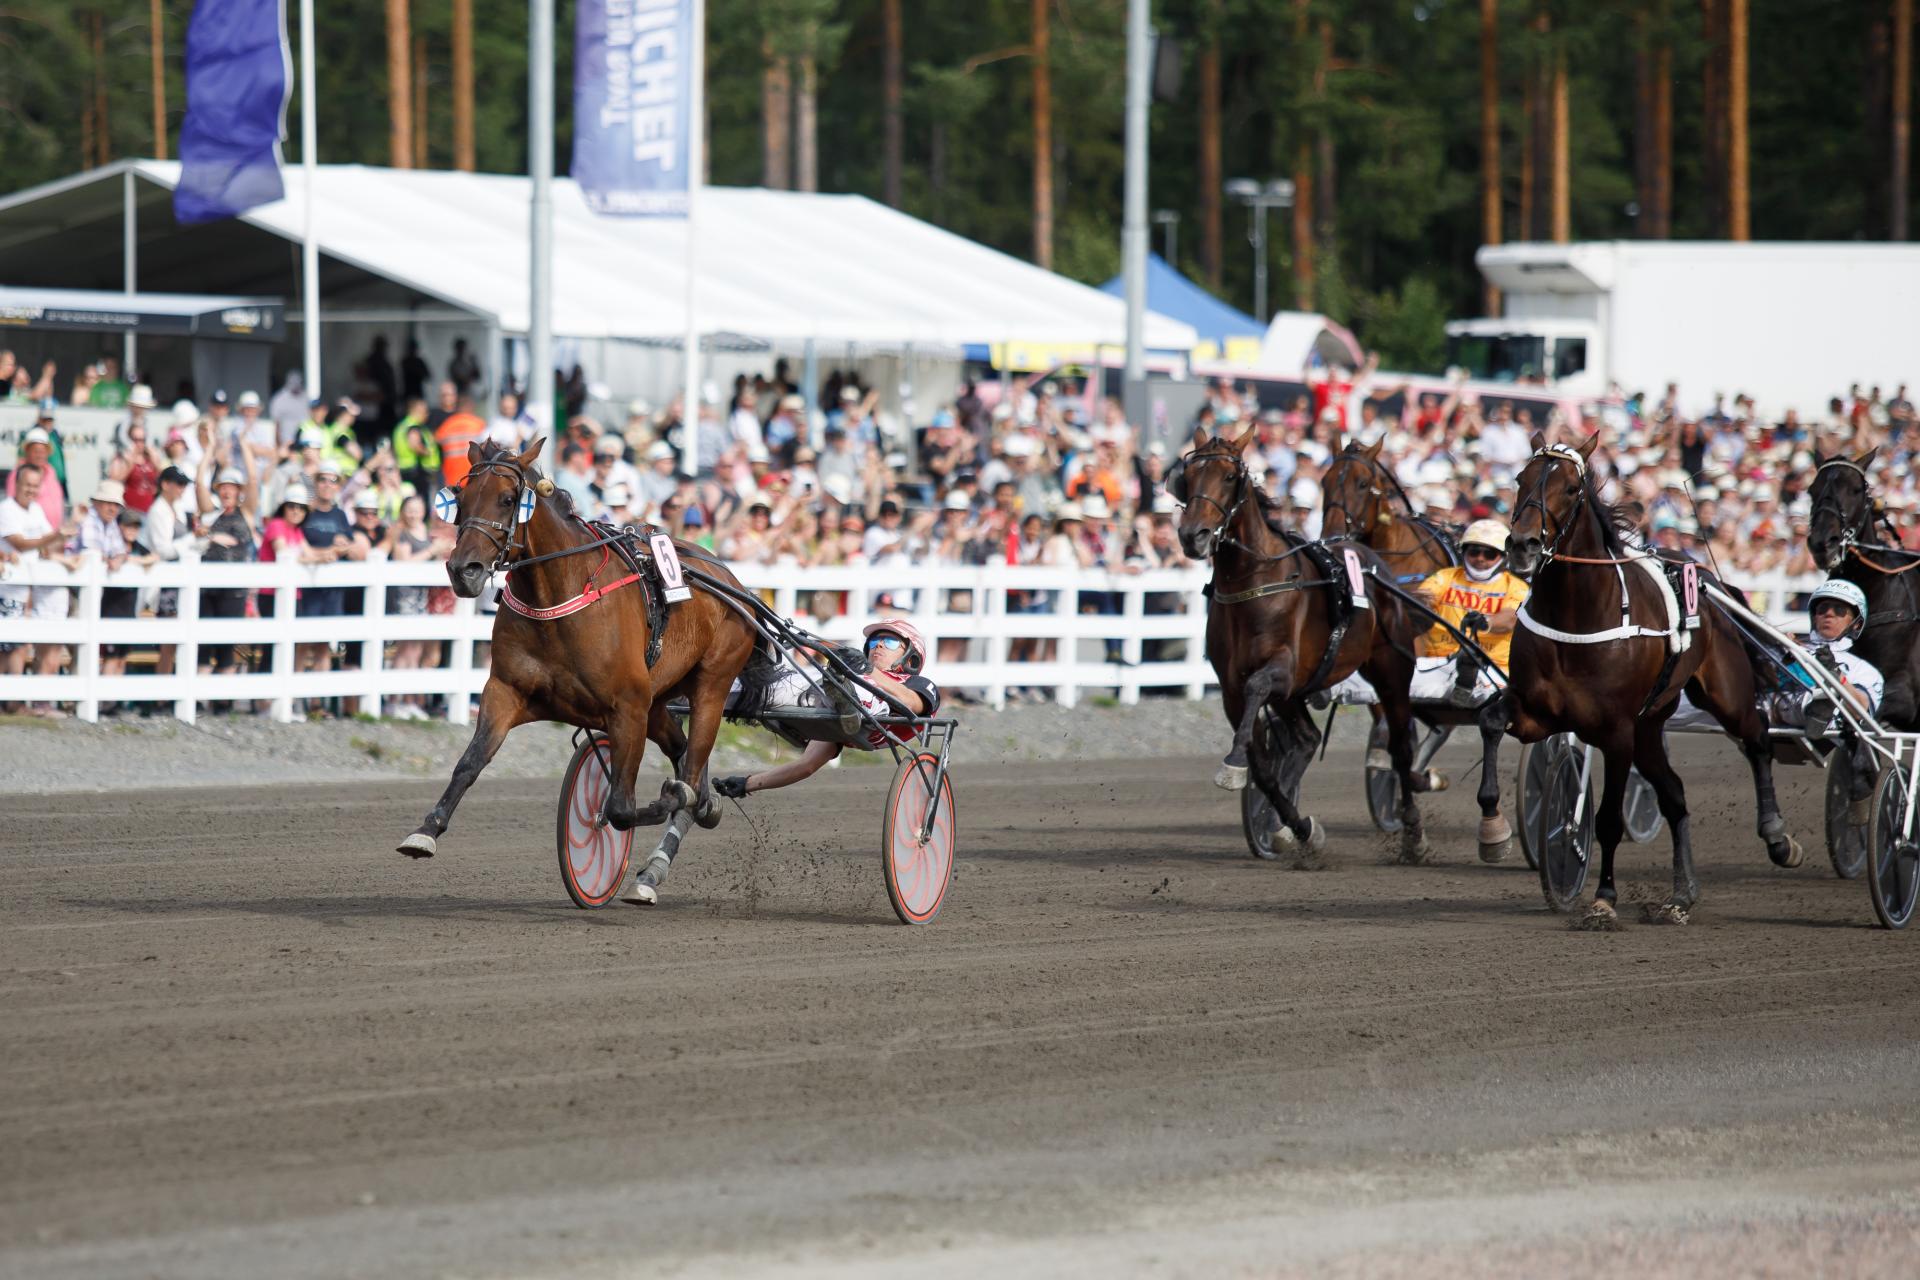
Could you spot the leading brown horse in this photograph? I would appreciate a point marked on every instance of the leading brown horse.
(1592, 657)
(1280, 626)
(587, 666)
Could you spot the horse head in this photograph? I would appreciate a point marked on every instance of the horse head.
(1214, 484)
(1842, 508)
(1552, 484)
(487, 520)
(1352, 502)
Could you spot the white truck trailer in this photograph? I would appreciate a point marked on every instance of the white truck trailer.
(1789, 324)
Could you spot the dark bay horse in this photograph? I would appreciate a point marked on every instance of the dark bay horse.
(1608, 676)
(1279, 628)
(588, 667)
(1360, 499)
(1843, 536)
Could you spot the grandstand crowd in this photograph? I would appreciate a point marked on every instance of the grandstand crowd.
(1030, 470)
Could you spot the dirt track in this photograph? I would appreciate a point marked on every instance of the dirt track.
(242, 1037)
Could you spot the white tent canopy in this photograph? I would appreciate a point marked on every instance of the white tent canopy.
(774, 265)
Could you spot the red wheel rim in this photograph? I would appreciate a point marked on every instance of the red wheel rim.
(594, 856)
(918, 871)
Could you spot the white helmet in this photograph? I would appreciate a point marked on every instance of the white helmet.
(1846, 593)
(1486, 533)
(916, 647)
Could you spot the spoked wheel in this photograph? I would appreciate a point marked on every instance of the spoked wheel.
(1893, 873)
(593, 855)
(1529, 790)
(918, 859)
(1565, 845)
(1383, 788)
(1641, 809)
(1846, 843)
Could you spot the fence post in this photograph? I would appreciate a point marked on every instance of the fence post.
(373, 650)
(1133, 607)
(283, 650)
(997, 642)
(460, 661)
(1197, 604)
(186, 654)
(86, 662)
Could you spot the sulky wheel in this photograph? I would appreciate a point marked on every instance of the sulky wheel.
(917, 858)
(1564, 845)
(1893, 871)
(1641, 809)
(1260, 822)
(1383, 787)
(1846, 843)
(593, 856)
(1529, 786)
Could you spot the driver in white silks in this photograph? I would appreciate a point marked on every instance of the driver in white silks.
(1479, 595)
(1839, 611)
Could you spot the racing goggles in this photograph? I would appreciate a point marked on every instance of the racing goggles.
(894, 643)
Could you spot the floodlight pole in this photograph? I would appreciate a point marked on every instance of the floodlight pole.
(696, 178)
(1133, 228)
(309, 171)
(539, 389)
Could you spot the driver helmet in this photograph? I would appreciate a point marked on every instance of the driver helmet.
(1848, 594)
(1486, 533)
(916, 647)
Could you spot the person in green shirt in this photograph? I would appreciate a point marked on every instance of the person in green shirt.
(415, 450)
(110, 392)
(342, 447)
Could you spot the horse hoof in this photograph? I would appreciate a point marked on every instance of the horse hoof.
(1414, 848)
(708, 815)
(1663, 913)
(1496, 851)
(419, 845)
(1438, 781)
(1316, 837)
(1790, 855)
(1600, 918)
(1231, 777)
(641, 895)
(676, 795)
(1860, 812)
(646, 885)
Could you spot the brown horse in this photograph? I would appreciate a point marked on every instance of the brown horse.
(1280, 627)
(588, 667)
(1608, 675)
(1360, 499)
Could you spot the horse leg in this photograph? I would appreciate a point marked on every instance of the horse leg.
(1609, 824)
(502, 708)
(1265, 754)
(1397, 710)
(1496, 836)
(1258, 690)
(1297, 740)
(1650, 757)
(1733, 708)
(708, 701)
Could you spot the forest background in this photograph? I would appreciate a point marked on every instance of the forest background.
(1414, 131)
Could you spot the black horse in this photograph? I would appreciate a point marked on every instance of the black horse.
(1843, 538)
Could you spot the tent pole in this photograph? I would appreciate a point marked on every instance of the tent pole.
(810, 388)
(540, 397)
(130, 268)
(309, 251)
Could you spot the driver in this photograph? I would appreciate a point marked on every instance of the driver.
(897, 655)
(1480, 597)
(1839, 610)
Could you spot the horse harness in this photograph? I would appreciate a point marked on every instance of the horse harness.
(1430, 531)
(1851, 544)
(608, 538)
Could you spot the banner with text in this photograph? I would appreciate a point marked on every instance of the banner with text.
(632, 87)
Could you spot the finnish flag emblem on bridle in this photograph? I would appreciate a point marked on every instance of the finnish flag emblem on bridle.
(446, 504)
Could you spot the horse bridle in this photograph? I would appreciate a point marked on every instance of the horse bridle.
(1242, 486)
(506, 538)
(1373, 491)
(1850, 532)
(1536, 499)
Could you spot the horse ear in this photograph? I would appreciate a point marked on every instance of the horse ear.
(1865, 459)
(1199, 436)
(475, 454)
(532, 454)
(1539, 441)
(1372, 451)
(1241, 441)
(1819, 458)
(1592, 443)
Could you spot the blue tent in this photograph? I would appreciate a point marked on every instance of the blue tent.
(1173, 295)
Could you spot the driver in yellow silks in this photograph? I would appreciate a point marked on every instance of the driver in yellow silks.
(1476, 595)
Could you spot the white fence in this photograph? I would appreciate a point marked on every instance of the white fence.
(1155, 635)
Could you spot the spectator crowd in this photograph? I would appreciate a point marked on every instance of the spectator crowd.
(1031, 470)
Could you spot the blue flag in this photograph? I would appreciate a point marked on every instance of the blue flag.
(239, 73)
(633, 69)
